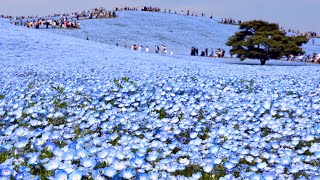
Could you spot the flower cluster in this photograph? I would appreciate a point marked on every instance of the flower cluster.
(169, 126)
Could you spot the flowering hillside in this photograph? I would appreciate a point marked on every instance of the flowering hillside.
(77, 109)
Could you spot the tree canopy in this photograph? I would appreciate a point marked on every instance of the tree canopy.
(262, 40)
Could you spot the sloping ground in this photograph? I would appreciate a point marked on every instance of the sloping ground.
(48, 53)
(72, 108)
(176, 32)
(312, 46)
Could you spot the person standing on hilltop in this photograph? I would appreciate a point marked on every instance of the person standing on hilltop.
(222, 52)
(192, 51)
(147, 49)
(37, 24)
(47, 24)
(156, 49)
(54, 24)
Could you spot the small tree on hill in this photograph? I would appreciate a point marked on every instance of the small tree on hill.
(262, 40)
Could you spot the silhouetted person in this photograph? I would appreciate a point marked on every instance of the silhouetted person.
(222, 52)
(193, 51)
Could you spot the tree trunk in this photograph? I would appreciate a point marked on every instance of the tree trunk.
(263, 61)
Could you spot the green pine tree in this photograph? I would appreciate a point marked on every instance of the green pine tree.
(262, 40)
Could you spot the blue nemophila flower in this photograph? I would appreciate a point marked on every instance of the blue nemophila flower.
(21, 143)
(93, 150)
(143, 176)
(8, 162)
(152, 156)
(154, 175)
(55, 136)
(61, 175)
(120, 155)
(24, 169)
(184, 161)
(88, 162)
(262, 165)
(285, 160)
(75, 175)
(110, 159)
(81, 153)
(103, 154)
(19, 176)
(268, 176)
(97, 174)
(138, 160)
(255, 176)
(208, 168)
(315, 147)
(33, 159)
(229, 165)
(5, 172)
(193, 135)
(52, 165)
(119, 165)
(109, 172)
(127, 173)
(35, 122)
(68, 156)
(217, 160)
(57, 152)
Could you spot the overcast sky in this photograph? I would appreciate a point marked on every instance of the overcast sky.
(296, 14)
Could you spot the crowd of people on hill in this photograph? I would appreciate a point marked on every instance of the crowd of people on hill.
(230, 21)
(66, 20)
(219, 53)
(308, 34)
(151, 9)
(162, 49)
(313, 58)
(157, 9)
(144, 8)
(95, 13)
(50, 23)
(157, 49)
(126, 8)
(6, 16)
